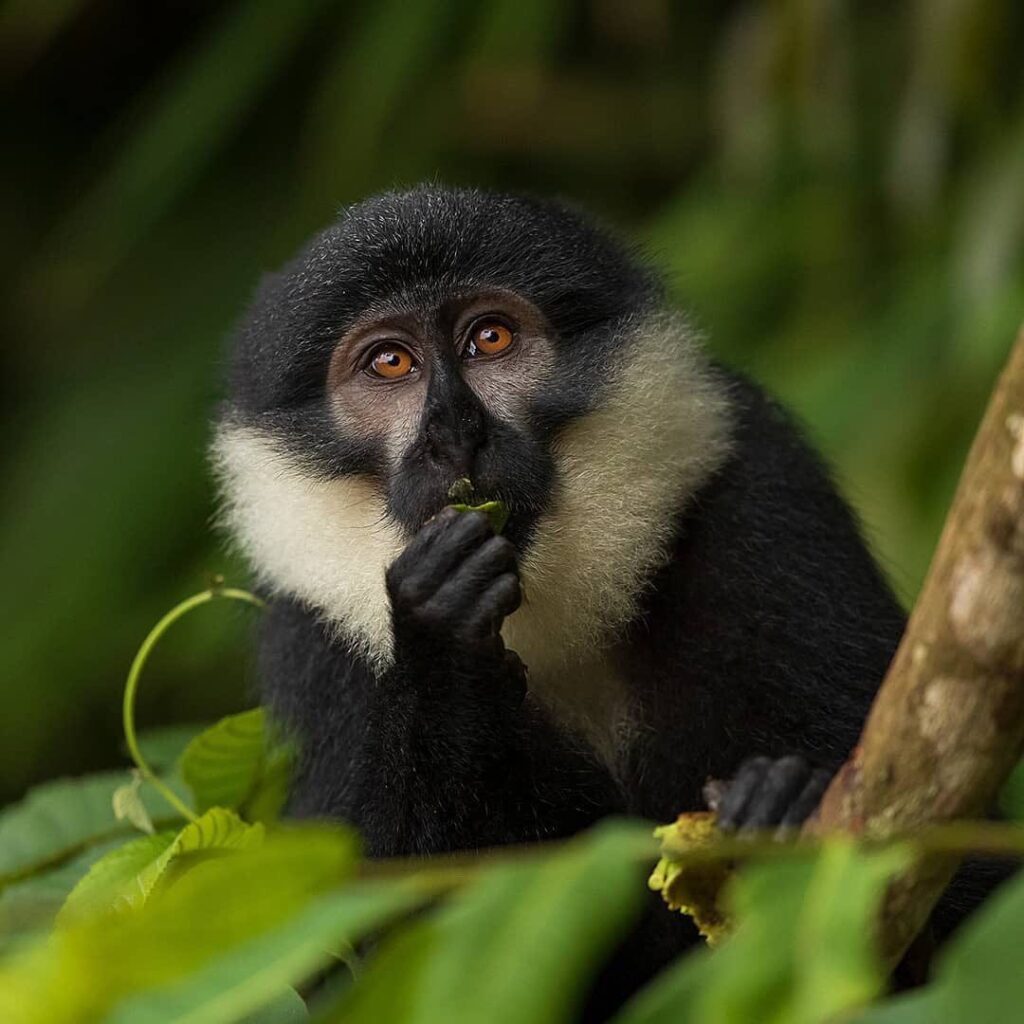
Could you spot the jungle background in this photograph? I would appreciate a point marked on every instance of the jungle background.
(835, 191)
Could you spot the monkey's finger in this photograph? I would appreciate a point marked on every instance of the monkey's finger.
(412, 554)
(497, 555)
(743, 787)
(435, 551)
(783, 781)
(500, 599)
(464, 586)
(806, 802)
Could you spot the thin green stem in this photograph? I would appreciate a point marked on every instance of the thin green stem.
(135, 672)
(965, 838)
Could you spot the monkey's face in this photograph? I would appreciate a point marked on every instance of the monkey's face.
(449, 389)
(436, 335)
(439, 334)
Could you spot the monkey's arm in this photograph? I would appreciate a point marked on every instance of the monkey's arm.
(442, 750)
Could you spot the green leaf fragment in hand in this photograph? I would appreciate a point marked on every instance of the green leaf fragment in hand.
(461, 494)
(496, 512)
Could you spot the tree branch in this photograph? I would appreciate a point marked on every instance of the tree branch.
(947, 725)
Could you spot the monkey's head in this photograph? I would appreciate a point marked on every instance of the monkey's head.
(439, 334)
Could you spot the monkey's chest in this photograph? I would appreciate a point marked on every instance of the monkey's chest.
(583, 692)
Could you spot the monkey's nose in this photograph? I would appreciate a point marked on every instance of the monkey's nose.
(454, 452)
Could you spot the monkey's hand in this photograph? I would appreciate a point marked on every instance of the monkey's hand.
(767, 794)
(451, 589)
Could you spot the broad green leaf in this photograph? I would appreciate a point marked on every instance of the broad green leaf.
(751, 975)
(33, 903)
(237, 762)
(287, 1008)
(85, 969)
(58, 819)
(114, 879)
(387, 990)
(837, 964)
(924, 1007)
(222, 763)
(233, 986)
(577, 902)
(980, 975)
(267, 799)
(802, 950)
(217, 831)
(519, 943)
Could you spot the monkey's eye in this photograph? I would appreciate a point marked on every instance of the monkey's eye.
(390, 361)
(489, 338)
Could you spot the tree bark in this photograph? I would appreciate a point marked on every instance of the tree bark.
(947, 725)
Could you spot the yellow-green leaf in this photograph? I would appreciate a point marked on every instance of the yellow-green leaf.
(114, 879)
(128, 805)
(217, 831)
(84, 970)
(59, 820)
(240, 763)
(221, 764)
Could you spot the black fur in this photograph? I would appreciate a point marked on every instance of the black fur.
(767, 631)
(414, 250)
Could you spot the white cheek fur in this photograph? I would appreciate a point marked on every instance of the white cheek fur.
(324, 542)
(623, 474)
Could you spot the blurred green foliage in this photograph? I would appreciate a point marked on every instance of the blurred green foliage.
(835, 190)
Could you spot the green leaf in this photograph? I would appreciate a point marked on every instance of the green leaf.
(803, 946)
(33, 904)
(518, 944)
(127, 876)
(750, 976)
(115, 878)
(238, 762)
(128, 805)
(837, 964)
(231, 987)
(981, 974)
(576, 902)
(59, 819)
(914, 1008)
(217, 831)
(287, 1008)
(496, 512)
(388, 988)
(268, 797)
(219, 904)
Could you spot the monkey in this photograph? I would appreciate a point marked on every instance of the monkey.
(680, 593)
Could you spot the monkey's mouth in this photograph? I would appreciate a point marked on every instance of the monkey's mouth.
(511, 522)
